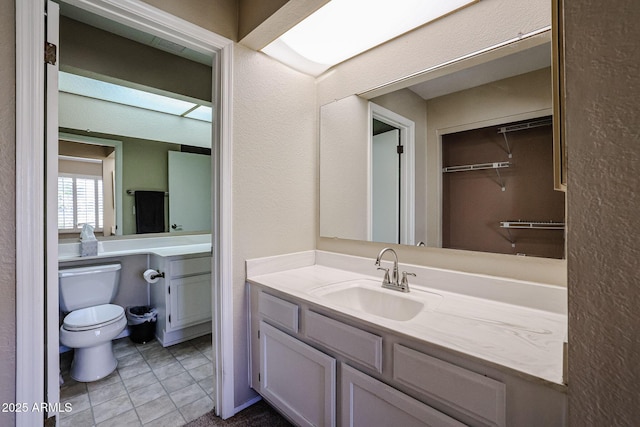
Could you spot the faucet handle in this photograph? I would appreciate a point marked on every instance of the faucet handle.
(385, 280)
(405, 281)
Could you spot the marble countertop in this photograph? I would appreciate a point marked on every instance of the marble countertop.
(161, 246)
(515, 324)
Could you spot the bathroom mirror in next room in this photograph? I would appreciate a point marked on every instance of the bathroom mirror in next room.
(135, 135)
(459, 156)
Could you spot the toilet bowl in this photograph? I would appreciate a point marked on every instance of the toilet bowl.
(92, 322)
(90, 331)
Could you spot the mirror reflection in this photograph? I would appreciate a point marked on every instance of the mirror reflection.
(135, 135)
(458, 157)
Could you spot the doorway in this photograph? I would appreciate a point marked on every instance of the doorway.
(391, 177)
(33, 268)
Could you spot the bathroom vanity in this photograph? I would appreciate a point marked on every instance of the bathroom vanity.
(182, 296)
(329, 346)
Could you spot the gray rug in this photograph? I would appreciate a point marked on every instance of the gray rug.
(259, 414)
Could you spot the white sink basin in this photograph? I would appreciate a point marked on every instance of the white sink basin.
(369, 297)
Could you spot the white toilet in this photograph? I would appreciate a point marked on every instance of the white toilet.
(91, 322)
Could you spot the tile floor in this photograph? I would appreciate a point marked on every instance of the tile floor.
(152, 386)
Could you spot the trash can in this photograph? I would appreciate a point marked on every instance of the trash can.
(142, 323)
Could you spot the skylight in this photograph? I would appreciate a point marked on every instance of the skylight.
(342, 29)
(92, 88)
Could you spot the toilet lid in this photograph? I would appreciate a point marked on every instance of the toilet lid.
(93, 317)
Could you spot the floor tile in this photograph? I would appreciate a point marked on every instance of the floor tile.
(178, 382)
(194, 361)
(76, 419)
(172, 419)
(99, 395)
(182, 350)
(147, 394)
(169, 370)
(112, 408)
(193, 410)
(78, 402)
(155, 409)
(138, 381)
(202, 371)
(160, 359)
(187, 395)
(112, 378)
(152, 385)
(128, 419)
(130, 359)
(133, 370)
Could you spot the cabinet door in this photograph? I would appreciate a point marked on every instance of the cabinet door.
(296, 378)
(369, 402)
(190, 300)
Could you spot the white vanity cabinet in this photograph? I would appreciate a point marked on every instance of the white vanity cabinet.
(182, 297)
(298, 372)
(382, 377)
(297, 378)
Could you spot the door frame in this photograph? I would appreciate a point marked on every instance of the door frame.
(32, 258)
(407, 177)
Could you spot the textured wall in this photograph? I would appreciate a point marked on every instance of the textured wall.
(274, 175)
(7, 209)
(602, 125)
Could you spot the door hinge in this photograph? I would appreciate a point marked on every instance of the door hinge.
(169, 318)
(50, 53)
(400, 149)
(258, 333)
(259, 377)
(169, 289)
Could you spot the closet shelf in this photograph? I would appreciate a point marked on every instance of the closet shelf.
(480, 166)
(533, 225)
(477, 166)
(521, 126)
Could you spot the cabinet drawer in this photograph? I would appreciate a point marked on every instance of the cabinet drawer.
(278, 311)
(190, 266)
(356, 344)
(472, 394)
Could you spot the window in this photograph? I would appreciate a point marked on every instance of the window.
(80, 201)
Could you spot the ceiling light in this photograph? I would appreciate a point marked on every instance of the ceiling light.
(342, 29)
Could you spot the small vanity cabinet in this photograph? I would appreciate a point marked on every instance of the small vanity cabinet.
(182, 297)
(322, 367)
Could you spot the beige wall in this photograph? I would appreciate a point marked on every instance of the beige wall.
(219, 16)
(252, 13)
(274, 175)
(602, 125)
(83, 47)
(7, 209)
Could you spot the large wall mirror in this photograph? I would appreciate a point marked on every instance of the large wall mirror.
(459, 156)
(136, 116)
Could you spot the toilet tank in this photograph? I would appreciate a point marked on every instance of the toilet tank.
(81, 287)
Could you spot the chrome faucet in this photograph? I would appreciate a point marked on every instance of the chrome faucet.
(393, 282)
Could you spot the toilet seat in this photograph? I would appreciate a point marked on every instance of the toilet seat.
(93, 317)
